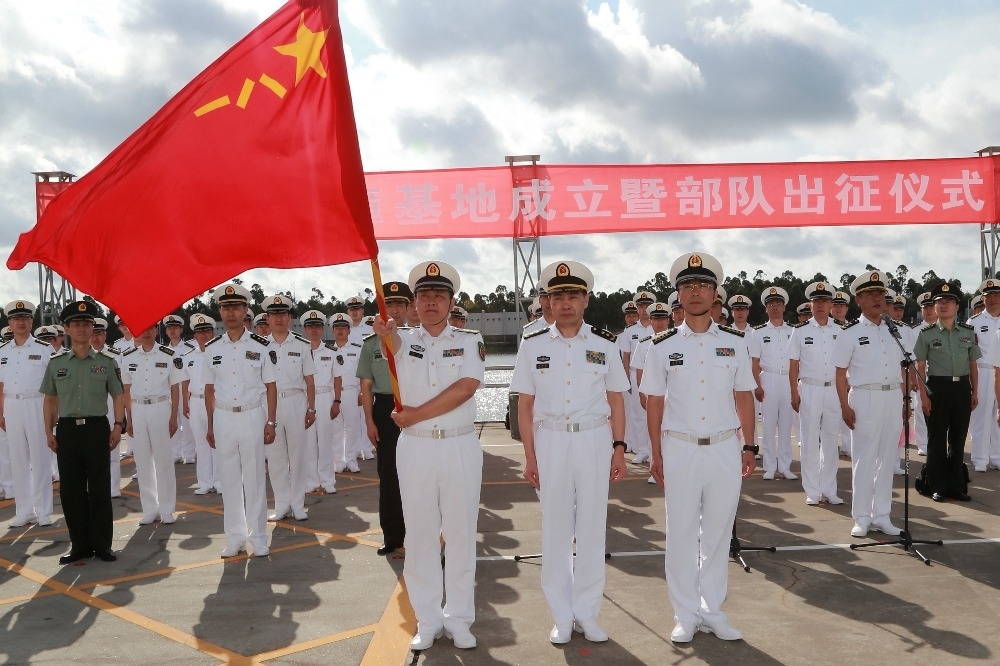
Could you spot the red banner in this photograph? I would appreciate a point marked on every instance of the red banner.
(582, 199)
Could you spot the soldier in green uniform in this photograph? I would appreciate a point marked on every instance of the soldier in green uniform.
(76, 386)
(946, 353)
(377, 402)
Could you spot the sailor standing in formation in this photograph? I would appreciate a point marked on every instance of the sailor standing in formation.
(769, 352)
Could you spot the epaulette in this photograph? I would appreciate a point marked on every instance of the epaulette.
(41, 342)
(105, 352)
(917, 324)
(899, 322)
(58, 354)
(730, 329)
(300, 337)
(536, 333)
(799, 324)
(330, 346)
(968, 326)
(464, 330)
(847, 325)
(167, 349)
(838, 322)
(113, 350)
(529, 324)
(7, 342)
(976, 315)
(603, 333)
(130, 351)
(213, 340)
(187, 343)
(928, 327)
(261, 339)
(368, 337)
(354, 344)
(648, 337)
(660, 337)
(759, 326)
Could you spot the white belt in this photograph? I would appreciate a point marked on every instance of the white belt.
(877, 387)
(701, 441)
(198, 395)
(776, 372)
(238, 408)
(22, 396)
(355, 387)
(984, 365)
(440, 434)
(150, 401)
(562, 426)
(815, 382)
(323, 389)
(289, 393)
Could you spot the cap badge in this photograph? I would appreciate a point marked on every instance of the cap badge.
(230, 291)
(433, 270)
(820, 287)
(694, 261)
(82, 307)
(562, 270)
(277, 300)
(874, 277)
(201, 320)
(739, 299)
(945, 287)
(773, 291)
(19, 304)
(989, 283)
(394, 287)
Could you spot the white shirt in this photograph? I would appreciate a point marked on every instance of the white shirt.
(986, 329)
(427, 365)
(295, 362)
(194, 366)
(360, 332)
(22, 366)
(346, 360)
(637, 360)
(122, 345)
(323, 361)
(770, 344)
(869, 353)
(812, 346)
(569, 377)
(238, 370)
(701, 371)
(151, 373)
(533, 326)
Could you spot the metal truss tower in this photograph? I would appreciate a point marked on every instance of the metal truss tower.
(54, 292)
(527, 235)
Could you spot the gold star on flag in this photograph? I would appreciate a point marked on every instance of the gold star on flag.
(305, 49)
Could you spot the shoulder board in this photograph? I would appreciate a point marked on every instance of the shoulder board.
(928, 327)
(759, 326)
(59, 353)
(258, 338)
(838, 322)
(968, 326)
(167, 349)
(660, 337)
(7, 342)
(648, 337)
(529, 324)
(113, 350)
(899, 322)
(604, 333)
(330, 345)
(41, 342)
(187, 343)
(536, 333)
(916, 324)
(847, 325)
(465, 330)
(355, 344)
(799, 324)
(368, 337)
(213, 340)
(302, 338)
(105, 352)
(730, 329)
(130, 351)
(976, 315)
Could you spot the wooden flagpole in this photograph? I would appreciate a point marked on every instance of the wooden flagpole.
(390, 357)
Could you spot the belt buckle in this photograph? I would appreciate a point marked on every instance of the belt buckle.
(704, 441)
(237, 409)
(437, 434)
(80, 422)
(572, 427)
(955, 379)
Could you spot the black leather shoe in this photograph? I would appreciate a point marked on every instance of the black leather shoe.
(107, 555)
(938, 497)
(962, 497)
(385, 549)
(75, 555)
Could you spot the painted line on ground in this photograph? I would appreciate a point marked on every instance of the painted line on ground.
(391, 642)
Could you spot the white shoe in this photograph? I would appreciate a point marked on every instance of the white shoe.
(329, 490)
(590, 630)
(899, 471)
(721, 629)
(275, 517)
(789, 476)
(263, 551)
(202, 491)
(768, 476)
(651, 480)
(353, 466)
(21, 521)
(168, 519)
(560, 635)
(44, 521)
(886, 527)
(462, 638)
(682, 633)
(979, 469)
(640, 459)
(835, 500)
(147, 520)
(367, 456)
(424, 638)
(232, 550)
(812, 501)
(301, 516)
(921, 452)
(860, 529)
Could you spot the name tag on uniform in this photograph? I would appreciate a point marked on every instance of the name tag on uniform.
(216, 360)
(190, 364)
(161, 365)
(415, 351)
(807, 341)
(31, 357)
(417, 348)
(98, 369)
(450, 353)
(415, 354)
(62, 372)
(937, 344)
(542, 362)
(253, 356)
(326, 358)
(969, 340)
(595, 357)
(132, 367)
(3, 361)
(294, 354)
(984, 329)
(676, 358)
(766, 338)
(725, 351)
(863, 341)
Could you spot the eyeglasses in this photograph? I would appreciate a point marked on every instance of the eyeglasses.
(692, 287)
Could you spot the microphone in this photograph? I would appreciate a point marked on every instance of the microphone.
(891, 325)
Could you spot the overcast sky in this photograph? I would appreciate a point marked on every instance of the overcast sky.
(454, 83)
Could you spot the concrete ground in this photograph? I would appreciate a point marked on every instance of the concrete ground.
(324, 597)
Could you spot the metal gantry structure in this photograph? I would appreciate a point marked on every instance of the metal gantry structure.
(527, 236)
(989, 234)
(54, 291)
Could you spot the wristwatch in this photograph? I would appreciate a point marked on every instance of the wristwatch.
(753, 449)
(273, 424)
(310, 411)
(617, 443)
(337, 401)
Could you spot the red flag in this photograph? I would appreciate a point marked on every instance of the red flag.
(255, 163)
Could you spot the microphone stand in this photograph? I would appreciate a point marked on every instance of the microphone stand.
(905, 539)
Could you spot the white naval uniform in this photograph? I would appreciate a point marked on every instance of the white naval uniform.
(440, 465)
(350, 430)
(357, 337)
(748, 333)
(536, 325)
(872, 359)
(570, 379)
(318, 458)
(360, 332)
(919, 420)
(819, 408)
(182, 444)
(702, 482)
(120, 346)
(636, 434)
(284, 457)
(238, 372)
(149, 376)
(21, 371)
(6, 475)
(207, 467)
(770, 344)
(114, 457)
(985, 430)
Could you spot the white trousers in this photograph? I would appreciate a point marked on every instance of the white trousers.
(985, 431)
(348, 433)
(878, 420)
(636, 432)
(702, 492)
(239, 446)
(776, 415)
(820, 419)
(182, 444)
(919, 423)
(207, 467)
(115, 463)
(29, 457)
(284, 456)
(573, 470)
(439, 483)
(318, 455)
(6, 475)
(154, 460)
